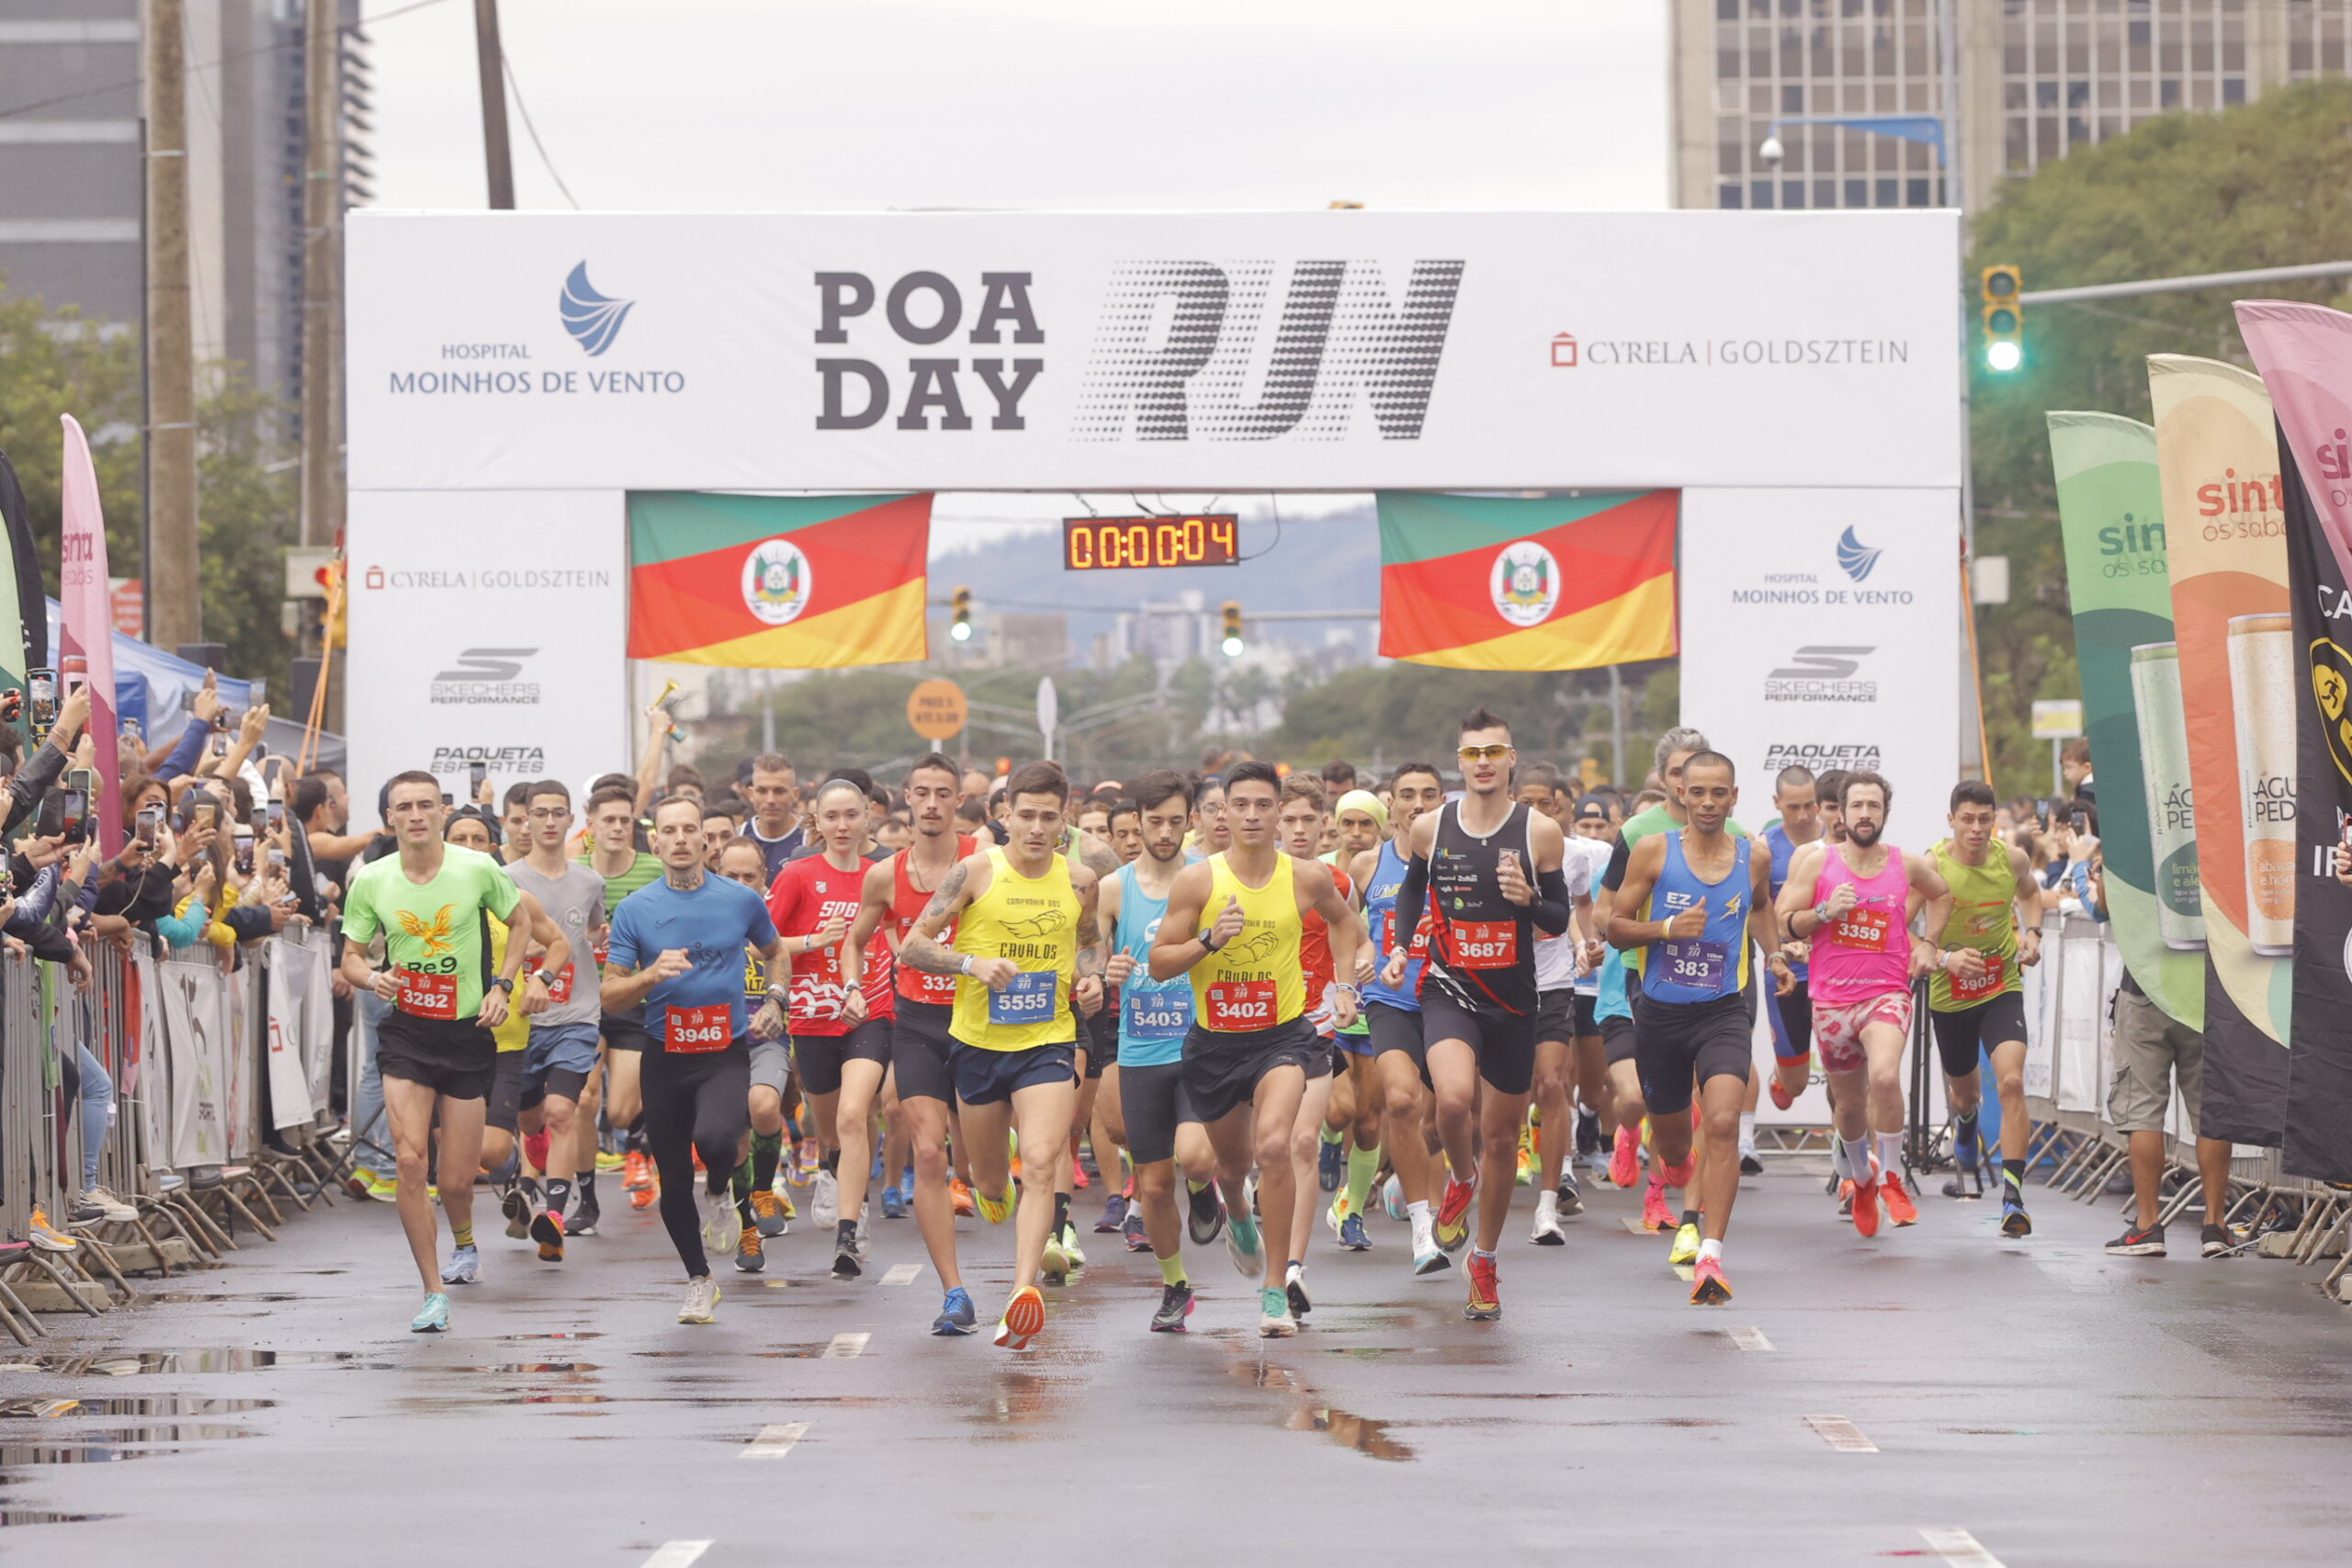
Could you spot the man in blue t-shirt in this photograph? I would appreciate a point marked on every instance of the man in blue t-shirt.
(677, 946)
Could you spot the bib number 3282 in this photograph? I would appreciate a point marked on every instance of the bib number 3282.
(698, 1029)
(428, 995)
(1027, 997)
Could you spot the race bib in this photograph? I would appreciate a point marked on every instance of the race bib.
(1989, 984)
(1871, 931)
(1156, 1013)
(1028, 998)
(699, 1028)
(600, 952)
(923, 986)
(427, 996)
(1236, 1005)
(1485, 944)
(558, 985)
(1696, 965)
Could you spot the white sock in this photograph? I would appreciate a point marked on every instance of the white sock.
(1747, 1133)
(1713, 1249)
(1858, 1157)
(1837, 1166)
(1418, 1213)
(1890, 1153)
(1547, 1202)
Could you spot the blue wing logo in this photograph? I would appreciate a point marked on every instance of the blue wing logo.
(593, 318)
(1856, 558)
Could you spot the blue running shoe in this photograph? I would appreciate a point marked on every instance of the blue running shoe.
(1353, 1234)
(435, 1316)
(464, 1268)
(1331, 1164)
(956, 1315)
(1115, 1215)
(894, 1207)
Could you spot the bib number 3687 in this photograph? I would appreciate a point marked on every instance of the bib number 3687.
(1487, 944)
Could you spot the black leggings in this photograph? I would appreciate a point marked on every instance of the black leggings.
(694, 1103)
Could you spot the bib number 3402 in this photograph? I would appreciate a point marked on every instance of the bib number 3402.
(1239, 1004)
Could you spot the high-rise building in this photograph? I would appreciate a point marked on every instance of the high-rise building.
(71, 112)
(2036, 79)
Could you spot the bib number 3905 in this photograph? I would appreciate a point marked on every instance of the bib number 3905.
(1988, 984)
(1027, 997)
(698, 1029)
(1239, 1004)
(428, 995)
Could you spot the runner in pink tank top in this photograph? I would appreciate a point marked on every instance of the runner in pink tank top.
(1854, 904)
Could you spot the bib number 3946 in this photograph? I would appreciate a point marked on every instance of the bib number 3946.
(428, 995)
(1239, 1004)
(1027, 997)
(698, 1029)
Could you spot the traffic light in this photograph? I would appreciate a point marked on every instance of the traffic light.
(2004, 318)
(1231, 642)
(961, 630)
(335, 624)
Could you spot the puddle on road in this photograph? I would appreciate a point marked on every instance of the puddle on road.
(582, 1334)
(46, 1517)
(1308, 1413)
(112, 1446)
(515, 1368)
(132, 1363)
(178, 1297)
(163, 1405)
(1492, 1353)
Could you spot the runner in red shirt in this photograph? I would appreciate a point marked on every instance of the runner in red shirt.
(1298, 828)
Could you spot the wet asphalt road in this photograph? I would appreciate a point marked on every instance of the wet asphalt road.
(2058, 1406)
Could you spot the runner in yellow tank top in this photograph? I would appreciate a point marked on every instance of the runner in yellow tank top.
(1233, 925)
(1030, 960)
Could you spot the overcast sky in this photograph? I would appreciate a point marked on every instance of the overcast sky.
(752, 105)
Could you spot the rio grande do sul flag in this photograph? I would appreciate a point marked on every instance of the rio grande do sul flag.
(1561, 583)
(777, 582)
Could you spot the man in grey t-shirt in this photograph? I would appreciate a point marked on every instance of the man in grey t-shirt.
(561, 1057)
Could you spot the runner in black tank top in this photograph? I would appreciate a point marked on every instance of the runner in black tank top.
(1490, 872)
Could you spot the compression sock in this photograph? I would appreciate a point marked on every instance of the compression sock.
(1193, 1186)
(2013, 1177)
(767, 1153)
(1890, 1153)
(1964, 1138)
(1331, 1134)
(1363, 1166)
(1171, 1271)
(1858, 1158)
(633, 1136)
(1839, 1166)
(558, 1195)
(832, 1162)
(1747, 1132)
(742, 1182)
(1689, 1216)
(463, 1236)
(1061, 1209)
(587, 1180)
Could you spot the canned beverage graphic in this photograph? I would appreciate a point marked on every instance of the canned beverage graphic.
(2172, 811)
(2262, 693)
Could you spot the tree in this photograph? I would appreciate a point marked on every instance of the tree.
(2258, 186)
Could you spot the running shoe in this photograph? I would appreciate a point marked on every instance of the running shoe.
(1686, 1245)
(701, 1304)
(1335, 1211)
(1353, 1237)
(1078, 1179)
(1249, 1192)
(584, 1214)
(769, 1214)
(1588, 1142)
(1275, 1321)
(610, 1159)
(1242, 1244)
(1485, 1302)
(2139, 1241)
(535, 1149)
(1331, 1164)
(846, 1262)
(464, 1266)
(1392, 1198)
(1204, 1214)
(1781, 1098)
(956, 1316)
(638, 1177)
(1749, 1165)
(1844, 1200)
(646, 1196)
(434, 1318)
(1526, 1173)
(1115, 1215)
(1056, 1264)
(722, 1228)
(960, 1198)
(1547, 1232)
(1429, 1260)
(109, 1206)
(1624, 1162)
(1656, 1216)
(1023, 1319)
(2016, 1221)
(1571, 1200)
(1899, 1207)
(1070, 1249)
(751, 1253)
(1294, 1291)
(1866, 1203)
(1175, 1306)
(547, 1229)
(996, 1211)
(517, 1209)
(1708, 1286)
(81, 1211)
(894, 1203)
(2215, 1241)
(1453, 1226)
(46, 1236)
(825, 1200)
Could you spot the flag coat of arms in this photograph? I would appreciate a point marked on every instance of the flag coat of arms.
(1562, 582)
(779, 582)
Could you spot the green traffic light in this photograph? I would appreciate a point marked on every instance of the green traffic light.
(2003, 355)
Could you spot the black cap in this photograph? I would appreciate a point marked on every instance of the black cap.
(1591, 805)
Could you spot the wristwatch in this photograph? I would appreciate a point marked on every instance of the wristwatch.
(504, 983)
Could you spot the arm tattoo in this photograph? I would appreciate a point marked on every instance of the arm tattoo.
(920, 951)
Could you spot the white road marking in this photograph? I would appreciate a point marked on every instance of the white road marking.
(847, 1345)
(1959, 1548)
(1749, 1339)
(1841, 1434)
(901, 1273)
(677, 1554)
(1637, 1227)
(775, 1442)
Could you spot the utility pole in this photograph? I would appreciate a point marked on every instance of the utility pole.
(176, 615)
(321, 279)
(496, 150)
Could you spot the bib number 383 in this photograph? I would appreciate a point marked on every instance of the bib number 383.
(1027, 997)
(1697, 965)
(698, 1029)
(428, 995)
(1236, 1005)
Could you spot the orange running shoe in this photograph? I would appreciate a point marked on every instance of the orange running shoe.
(1781, 1098)
(1866, 1203)
(1624, 1161)
(1899, 1207)
(1078, 1177)
(1023, 1320)
(1452, 1227)
(1655, 1214)
(1485, 1302)
(959, 1196)
(1708, 1286)
(647, 1196)
(637, 1171)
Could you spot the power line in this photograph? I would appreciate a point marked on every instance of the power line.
(507, 59)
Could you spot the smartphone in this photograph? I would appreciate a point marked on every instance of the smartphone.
(476, 772)
(75, 816)
(244, 855)
(49, 822)
(208, 814)
(278, 862)
(220, 744)
(449, 799)
(150, 823)
(2080, 820)
(130, 728)
(43, 686)
(276, 817)
(259, 688)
